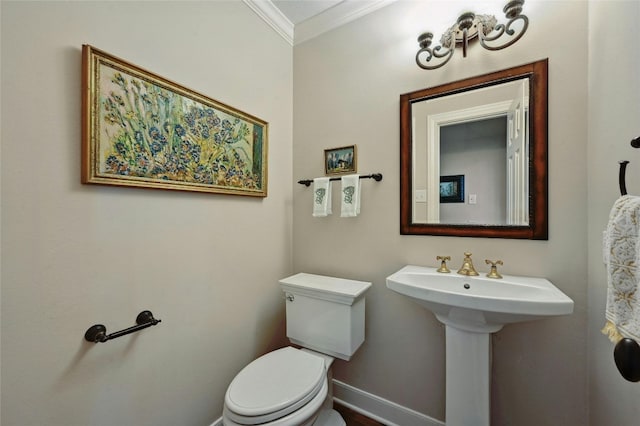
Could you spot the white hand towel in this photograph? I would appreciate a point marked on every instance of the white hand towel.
(321, 197)
(350, 196)
(621, 250)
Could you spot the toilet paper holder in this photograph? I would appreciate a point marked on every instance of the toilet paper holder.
(98, 333)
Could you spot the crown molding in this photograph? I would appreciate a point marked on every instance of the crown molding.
(272, 16)
(340, 14)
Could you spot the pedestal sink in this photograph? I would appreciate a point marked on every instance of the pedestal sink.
(472, 308)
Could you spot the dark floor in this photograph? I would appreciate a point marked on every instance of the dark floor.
(353, 418)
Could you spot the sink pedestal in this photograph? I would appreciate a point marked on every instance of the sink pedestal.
(472, 308)
(468, 374)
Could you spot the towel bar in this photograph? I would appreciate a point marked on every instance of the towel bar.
(375, 176)
(98, 332)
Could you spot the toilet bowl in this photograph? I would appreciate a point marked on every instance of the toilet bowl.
(286, 387)
(290, 386)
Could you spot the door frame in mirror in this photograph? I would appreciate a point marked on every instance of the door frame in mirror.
(538, 227)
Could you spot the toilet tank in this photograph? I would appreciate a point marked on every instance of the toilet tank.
(325, 314)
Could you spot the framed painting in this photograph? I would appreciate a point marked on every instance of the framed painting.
(340, 160)
(452, 189)
(141, 130)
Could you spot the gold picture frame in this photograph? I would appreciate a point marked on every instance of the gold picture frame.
(142, 130)
(339, 161)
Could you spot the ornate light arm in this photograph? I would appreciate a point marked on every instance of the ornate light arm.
(426, 53)
(512, 11)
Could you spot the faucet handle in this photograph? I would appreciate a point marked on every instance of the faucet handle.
(493, 273)
(443, 265)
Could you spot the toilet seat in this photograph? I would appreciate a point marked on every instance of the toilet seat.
(274, 386)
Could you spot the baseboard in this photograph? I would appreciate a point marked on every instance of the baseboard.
(374, 407)
(379, 409)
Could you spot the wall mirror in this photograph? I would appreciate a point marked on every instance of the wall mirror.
(473, 156)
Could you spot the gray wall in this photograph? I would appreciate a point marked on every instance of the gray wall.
(75, 255)
(346, 90)
(614, 119)
(477, 150)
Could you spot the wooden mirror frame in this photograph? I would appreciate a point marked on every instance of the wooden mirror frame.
(538, 228)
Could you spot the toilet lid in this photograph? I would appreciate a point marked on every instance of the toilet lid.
(274, 385)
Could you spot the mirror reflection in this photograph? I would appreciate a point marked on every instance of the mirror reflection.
(474, 156)
(481, 137)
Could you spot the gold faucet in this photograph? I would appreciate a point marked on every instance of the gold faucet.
(467, 266)
(493, 273)
(443, 269)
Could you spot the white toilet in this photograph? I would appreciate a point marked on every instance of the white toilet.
(292, 387)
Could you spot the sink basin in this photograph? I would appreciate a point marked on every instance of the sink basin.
(480, 303)
(472, 308)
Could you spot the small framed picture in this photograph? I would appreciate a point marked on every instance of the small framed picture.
(452, 189)
(340, 160)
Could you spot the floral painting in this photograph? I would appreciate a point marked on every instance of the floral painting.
(142, 130)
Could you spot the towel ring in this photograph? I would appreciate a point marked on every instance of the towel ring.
(635, 143)
(621, 177)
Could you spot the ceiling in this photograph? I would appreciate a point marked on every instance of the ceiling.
(300, 20)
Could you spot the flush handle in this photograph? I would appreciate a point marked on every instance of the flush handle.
(289, 297)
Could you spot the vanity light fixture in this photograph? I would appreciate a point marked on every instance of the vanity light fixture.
(468, 27)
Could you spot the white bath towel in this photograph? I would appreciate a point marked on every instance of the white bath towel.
(621, 252)
(321, 197)
(350, 196)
